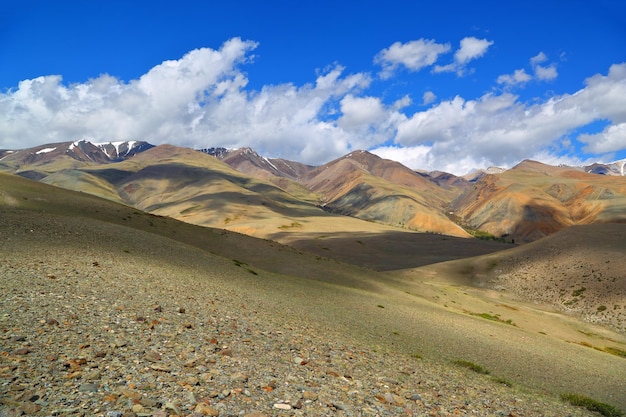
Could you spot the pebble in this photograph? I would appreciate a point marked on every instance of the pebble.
(89, 387)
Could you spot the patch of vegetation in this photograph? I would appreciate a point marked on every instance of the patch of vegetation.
(472, 366)
(578, 292)
(380, 306)
(592, 405)
(416, 356)
(601, 308)
(616, 351)
(291, 226)
(483, 235)
(494, 317)
(503, 381)
(244, 265)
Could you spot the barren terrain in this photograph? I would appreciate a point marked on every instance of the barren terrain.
(111, 310)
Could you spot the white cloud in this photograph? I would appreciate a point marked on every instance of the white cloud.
(470, 48)
(611, 139)
(545, 73)
(502, 131)
(428, 97)
(540, 72)
(538, 59)
(518, 77)
(413, 55)
(203, 100)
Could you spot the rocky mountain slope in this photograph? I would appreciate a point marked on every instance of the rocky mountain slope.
(107, 309)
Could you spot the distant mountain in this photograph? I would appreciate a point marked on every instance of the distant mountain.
(248, 161)
(533, 200)
(118, 151)
(613, 168)
(38, 162)
(368, 187)
(241, 190)
(477, 174)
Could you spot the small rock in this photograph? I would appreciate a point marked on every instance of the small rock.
(52, 322)
(89, 387)
(173, 407)
(137, 408)
(181, 310)
(115, 414)
(93, 375)
(152, 356)
(309, 395)
(239, 377)
(282, 406)
(160, 368)
(415, 397)
(206, 410)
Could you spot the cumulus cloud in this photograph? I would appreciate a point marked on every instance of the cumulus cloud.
(498, 129)
(413, 55)
(470, 48)
(519, 76)
(611, 139)
(198, 100)
(428, 97)
(202, 99)
(540, 72)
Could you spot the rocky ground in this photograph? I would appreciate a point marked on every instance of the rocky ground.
(99, 320)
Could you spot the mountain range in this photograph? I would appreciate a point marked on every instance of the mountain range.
(240, 190)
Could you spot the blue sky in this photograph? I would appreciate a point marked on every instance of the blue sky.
(435, 85)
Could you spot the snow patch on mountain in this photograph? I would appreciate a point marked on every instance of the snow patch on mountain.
(45, 150)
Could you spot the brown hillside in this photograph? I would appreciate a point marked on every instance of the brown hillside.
(365, 186)
(534, 200)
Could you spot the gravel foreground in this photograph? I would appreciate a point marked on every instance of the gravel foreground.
(115, 323)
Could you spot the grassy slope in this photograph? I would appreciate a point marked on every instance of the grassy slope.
(430, 317)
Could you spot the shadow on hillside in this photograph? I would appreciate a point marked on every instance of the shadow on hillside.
(393, 250)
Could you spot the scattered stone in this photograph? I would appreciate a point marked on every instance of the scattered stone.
(88, 387)
(152, 356)
(309, 395)
(206, 410)
(282, 406)
(173, 407)
(239, 377)
(160, 368)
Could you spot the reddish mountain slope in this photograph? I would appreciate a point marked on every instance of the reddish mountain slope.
(534, 200)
